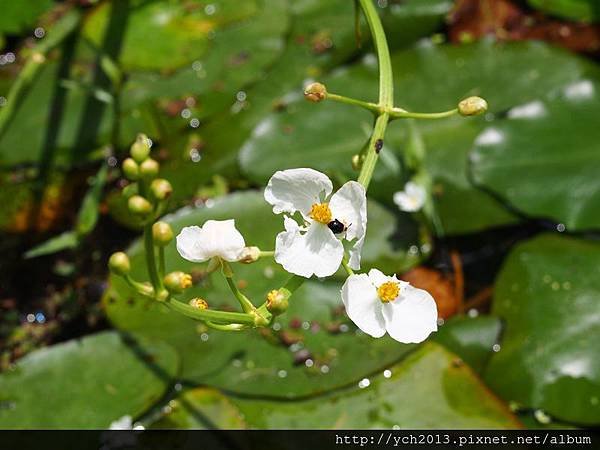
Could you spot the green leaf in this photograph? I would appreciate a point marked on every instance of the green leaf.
(164, 35)
(430, 388)
(470, 338)
(516, 155)
(18, 16)
(584, 10)
(64, 241)
(88, 212)
(86, 383)
(548, 294)
(261, 362)
(200, 408)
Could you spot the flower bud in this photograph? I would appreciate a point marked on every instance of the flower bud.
(149, 169)
(162, 233)
(131, 170)
(139, 205)
(118, 263)
(140, 149)
(277, 302)
(177, 282)
(315, 92)
(249, 255)
(356, 162)
(472, 106)
(130, 190)
(161, 189)
(199, 303)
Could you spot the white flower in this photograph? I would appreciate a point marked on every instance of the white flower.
(314, 246)
(412, 198)
(215, 238)
(377, 303)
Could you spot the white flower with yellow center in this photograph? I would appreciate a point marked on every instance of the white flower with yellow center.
(313, 244)
(412, 198)
(377, 303)
(216, 238)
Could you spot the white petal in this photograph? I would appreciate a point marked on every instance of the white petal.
(349, 206)
(316, 252)
(355, 251)
(224, 239)
(124, 423)
(186, 244)
(215, 238)
(377, 277)
(296, 190)
(412, 317)
(362, 305)
(290, 224)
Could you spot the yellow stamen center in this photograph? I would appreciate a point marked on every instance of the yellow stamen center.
(388, 291)
(320, 212)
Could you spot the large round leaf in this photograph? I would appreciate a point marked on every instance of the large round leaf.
(430, 388)
(163, 34)
(543, 161)
(471, 338)
(86, 383)
(548, 293)
(264, 361)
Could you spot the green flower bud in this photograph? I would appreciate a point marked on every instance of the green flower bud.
(199, 303)
(161, 189)
(139, 205)
(118, 263)
(162, 233)
(356, 162)
(140, 149)
(149, 169)
(131, 169)
(177, 282)
(277, 302)
(315, 92)
(130, 190)
(472, 106)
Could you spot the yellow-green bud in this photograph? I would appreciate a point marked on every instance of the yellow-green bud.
(177, 282)
(162, 233)
(472, 106)
(277, 302)
(199, 303)
(356, 162)
(139, 205)
(149, 169)
(315, 92)
(140, 149)
(130, 190)
(118, 263)
(161, 189)
(249, 255)
(131, 169)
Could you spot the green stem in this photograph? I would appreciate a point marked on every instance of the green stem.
(245, 303)
(352, 101)
(396, 113)
(140, 288)
(346, 267)
(21, 87)
(151, 258)
(223, 317)
(161, 262)
(386, 92)
(294, 283)
(267, 254)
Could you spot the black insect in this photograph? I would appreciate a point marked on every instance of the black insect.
(378, 145)
(336, 226)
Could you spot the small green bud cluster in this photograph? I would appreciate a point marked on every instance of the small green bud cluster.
(146, 190)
